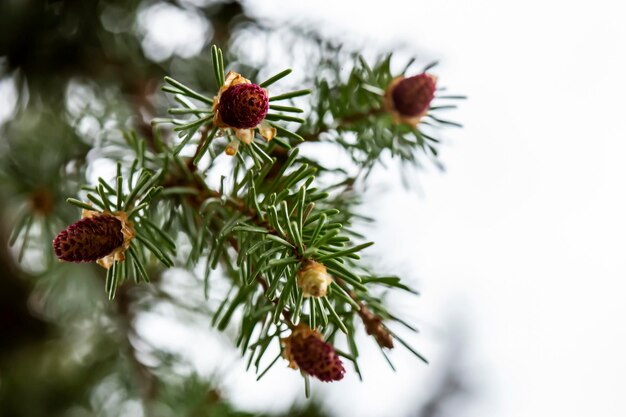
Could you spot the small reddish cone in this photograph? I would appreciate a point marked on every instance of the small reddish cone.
(89, 239)
(243, 106)
(408, 99)
(305, 349)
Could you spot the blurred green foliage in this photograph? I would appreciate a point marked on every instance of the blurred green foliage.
(76, 66)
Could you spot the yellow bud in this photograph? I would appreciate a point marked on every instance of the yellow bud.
(232, 147)
(313, 279)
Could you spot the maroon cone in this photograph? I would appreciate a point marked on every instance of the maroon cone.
(412, 96)
(317, 358)
(89, 239)
(243, 106)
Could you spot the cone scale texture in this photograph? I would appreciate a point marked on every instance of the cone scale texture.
(306, 350)
(243, 106)
(89, 239)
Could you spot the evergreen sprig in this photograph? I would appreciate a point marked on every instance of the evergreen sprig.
(134, 202)
(271, 216)
(359, 121)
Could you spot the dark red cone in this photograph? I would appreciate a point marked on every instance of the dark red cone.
(243, 106)
(312, 355)
(89, 239)
(412, 96)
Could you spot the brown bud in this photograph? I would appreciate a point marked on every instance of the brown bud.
(42, 201)
(374, 326)
(305, 349)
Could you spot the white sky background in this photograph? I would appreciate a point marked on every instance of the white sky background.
(524, 233)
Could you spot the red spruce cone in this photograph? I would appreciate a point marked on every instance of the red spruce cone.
(306, 350)
(411, 96)
(89, 239)
(243, 106)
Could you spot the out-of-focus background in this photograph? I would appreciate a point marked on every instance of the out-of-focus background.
(517, 247)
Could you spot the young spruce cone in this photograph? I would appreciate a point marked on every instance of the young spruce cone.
(89, 239)
(243, 106)
(408, 99)
(305, 349)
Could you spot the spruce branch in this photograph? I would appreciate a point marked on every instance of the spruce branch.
(282, 236)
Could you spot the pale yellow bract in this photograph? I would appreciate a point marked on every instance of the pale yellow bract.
(313, 279)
